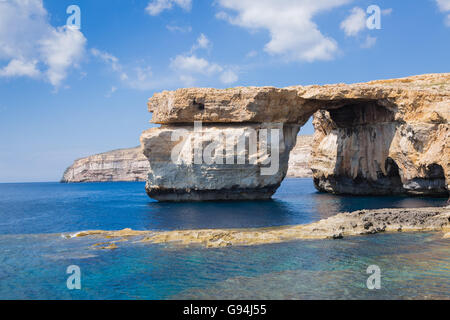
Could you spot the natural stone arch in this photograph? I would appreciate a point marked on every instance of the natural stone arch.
(358, 127)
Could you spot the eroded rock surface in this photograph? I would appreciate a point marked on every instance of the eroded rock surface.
(396, 144)
(380, 137)
(362, 222)
(179, 173)
(131, 165)
(300, 157)
(117, 165)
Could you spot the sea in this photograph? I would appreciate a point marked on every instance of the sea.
(38, 256)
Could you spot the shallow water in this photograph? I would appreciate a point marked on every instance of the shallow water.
(34, 256)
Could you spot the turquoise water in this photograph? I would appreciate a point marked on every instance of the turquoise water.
(34, 256)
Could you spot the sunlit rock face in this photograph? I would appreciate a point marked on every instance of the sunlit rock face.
(380, 137)
(233, 162)
(132, 165)
(300, 157)
(117, 165)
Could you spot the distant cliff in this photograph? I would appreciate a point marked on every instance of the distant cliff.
(299, 158)
(132, 165)
(117, 165)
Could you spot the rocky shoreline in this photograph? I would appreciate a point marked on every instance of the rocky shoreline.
(362, 222)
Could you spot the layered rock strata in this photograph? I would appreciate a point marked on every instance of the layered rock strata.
(216, 162)
(395, 142)
(118, 165)
(132, 165)
(380, 137)
(300, 157)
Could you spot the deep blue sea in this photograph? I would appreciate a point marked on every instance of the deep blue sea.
(34, 255)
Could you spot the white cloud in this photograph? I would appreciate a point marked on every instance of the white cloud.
(228, 77)
(18, 68)
(444, 6)
(189, 66)
(62, 49)
(369, 43)
(355, 22)
(28, 41)
(293, 33)
(155, 7)
(186, 68)
(139, 78)
(202, 43)
(112, 61)
(107, 58)
(193, 64)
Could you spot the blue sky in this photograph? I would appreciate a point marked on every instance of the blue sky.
(67, 93)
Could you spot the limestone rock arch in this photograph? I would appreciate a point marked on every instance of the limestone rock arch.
(380, 137)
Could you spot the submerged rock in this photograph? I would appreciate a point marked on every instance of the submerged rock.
(363, 222)
(380, 137)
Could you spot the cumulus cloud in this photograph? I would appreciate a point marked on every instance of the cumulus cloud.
(293, 33)
(62, 49)
(189, 66)
(355, 22)
(186, 68)
(444, 6)
(31, 47)
(155, 7)
(19, 68)
(194, 64)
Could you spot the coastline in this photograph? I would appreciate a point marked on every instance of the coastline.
(361, 222)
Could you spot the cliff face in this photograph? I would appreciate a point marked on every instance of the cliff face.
(399, 147)
(217, 162)
(380, 137)
(300, 157)
(132, 165)
(117, 165)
